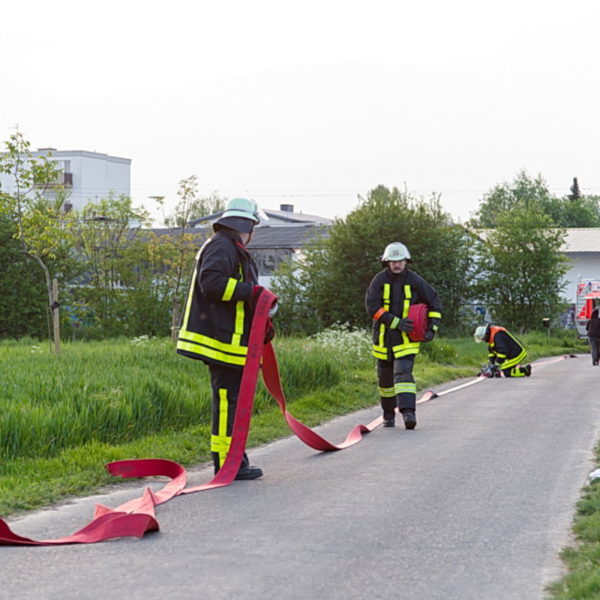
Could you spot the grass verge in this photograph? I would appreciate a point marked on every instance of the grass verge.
(582, 581)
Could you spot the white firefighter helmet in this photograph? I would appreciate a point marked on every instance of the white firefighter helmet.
(241, 214)
(395, 251)
(480, 333)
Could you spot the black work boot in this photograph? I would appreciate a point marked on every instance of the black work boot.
(389, 419)
(249, 472)
(246, 471)
(410, 419)
(527, 369)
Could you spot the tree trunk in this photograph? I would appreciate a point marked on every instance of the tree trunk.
(55, 316)
(52, 287)
(175, 319)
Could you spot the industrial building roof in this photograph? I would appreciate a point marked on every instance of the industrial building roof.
(582, 239)
(577, 240)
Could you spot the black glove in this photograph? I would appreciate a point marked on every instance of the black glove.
(486, 370)
(403, 324)
(429, 335)
(270, 333)
(256, 292)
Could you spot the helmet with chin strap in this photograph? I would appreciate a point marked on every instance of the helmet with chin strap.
(241, 214)
(395, 251)
(480, 332)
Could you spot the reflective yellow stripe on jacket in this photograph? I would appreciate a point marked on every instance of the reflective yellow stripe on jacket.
(202, 345)
(379, 349)
(407, 346)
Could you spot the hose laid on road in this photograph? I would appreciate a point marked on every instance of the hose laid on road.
(136, 517)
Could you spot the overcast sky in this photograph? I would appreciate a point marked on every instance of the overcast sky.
(311, 103)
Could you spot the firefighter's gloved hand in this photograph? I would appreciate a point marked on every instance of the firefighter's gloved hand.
(486, 371)
(273, 310)
(405, 325)
(256, 292)
(270, 333)
(429, 335)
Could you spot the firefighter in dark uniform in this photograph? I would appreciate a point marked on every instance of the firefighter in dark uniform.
(218, 313)
(388, 298)
(505, 351)
(593, 332)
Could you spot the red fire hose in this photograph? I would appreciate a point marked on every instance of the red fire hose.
(137, 516)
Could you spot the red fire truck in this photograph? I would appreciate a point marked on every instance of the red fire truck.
(588, 298)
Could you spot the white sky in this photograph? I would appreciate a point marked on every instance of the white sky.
(311, 103)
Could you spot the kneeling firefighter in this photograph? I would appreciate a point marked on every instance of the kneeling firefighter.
(218, 314)
(505, 351)
(388, 301)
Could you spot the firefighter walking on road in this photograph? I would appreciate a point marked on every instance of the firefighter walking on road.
(388, 300)
(593, 331)
(505, 351)
(218, 314)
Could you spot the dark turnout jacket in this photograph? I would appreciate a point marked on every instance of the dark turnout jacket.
(216, 322)
(504, 348)
(389, 296)
(593, 325)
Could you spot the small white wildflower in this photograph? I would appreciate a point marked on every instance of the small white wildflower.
(343, 340)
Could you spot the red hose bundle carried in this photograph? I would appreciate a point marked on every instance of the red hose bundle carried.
(418, 313)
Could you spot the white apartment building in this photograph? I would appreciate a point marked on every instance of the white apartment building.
(86, 176)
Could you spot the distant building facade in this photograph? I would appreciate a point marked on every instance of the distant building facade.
(85, 176)
(582, 249)
(283, 237)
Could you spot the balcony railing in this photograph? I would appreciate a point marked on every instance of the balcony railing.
(62, 178)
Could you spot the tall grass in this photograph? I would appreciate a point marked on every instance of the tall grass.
(119, 391)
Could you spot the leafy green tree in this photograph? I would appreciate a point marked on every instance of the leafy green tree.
(334, 274)
(524, 267)
(575, 193)
(23, 297)
(191, 205)
(523, 190)
(180, 245)
(42, 229)
(567, 212)
(291, 283)
(145, 298)
(106, 234)
(574, 210)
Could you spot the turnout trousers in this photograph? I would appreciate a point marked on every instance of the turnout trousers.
(225, 384)
(516, 371)
(397, 386)
(595, 347)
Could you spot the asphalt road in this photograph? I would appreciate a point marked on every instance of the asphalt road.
(475, 503)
